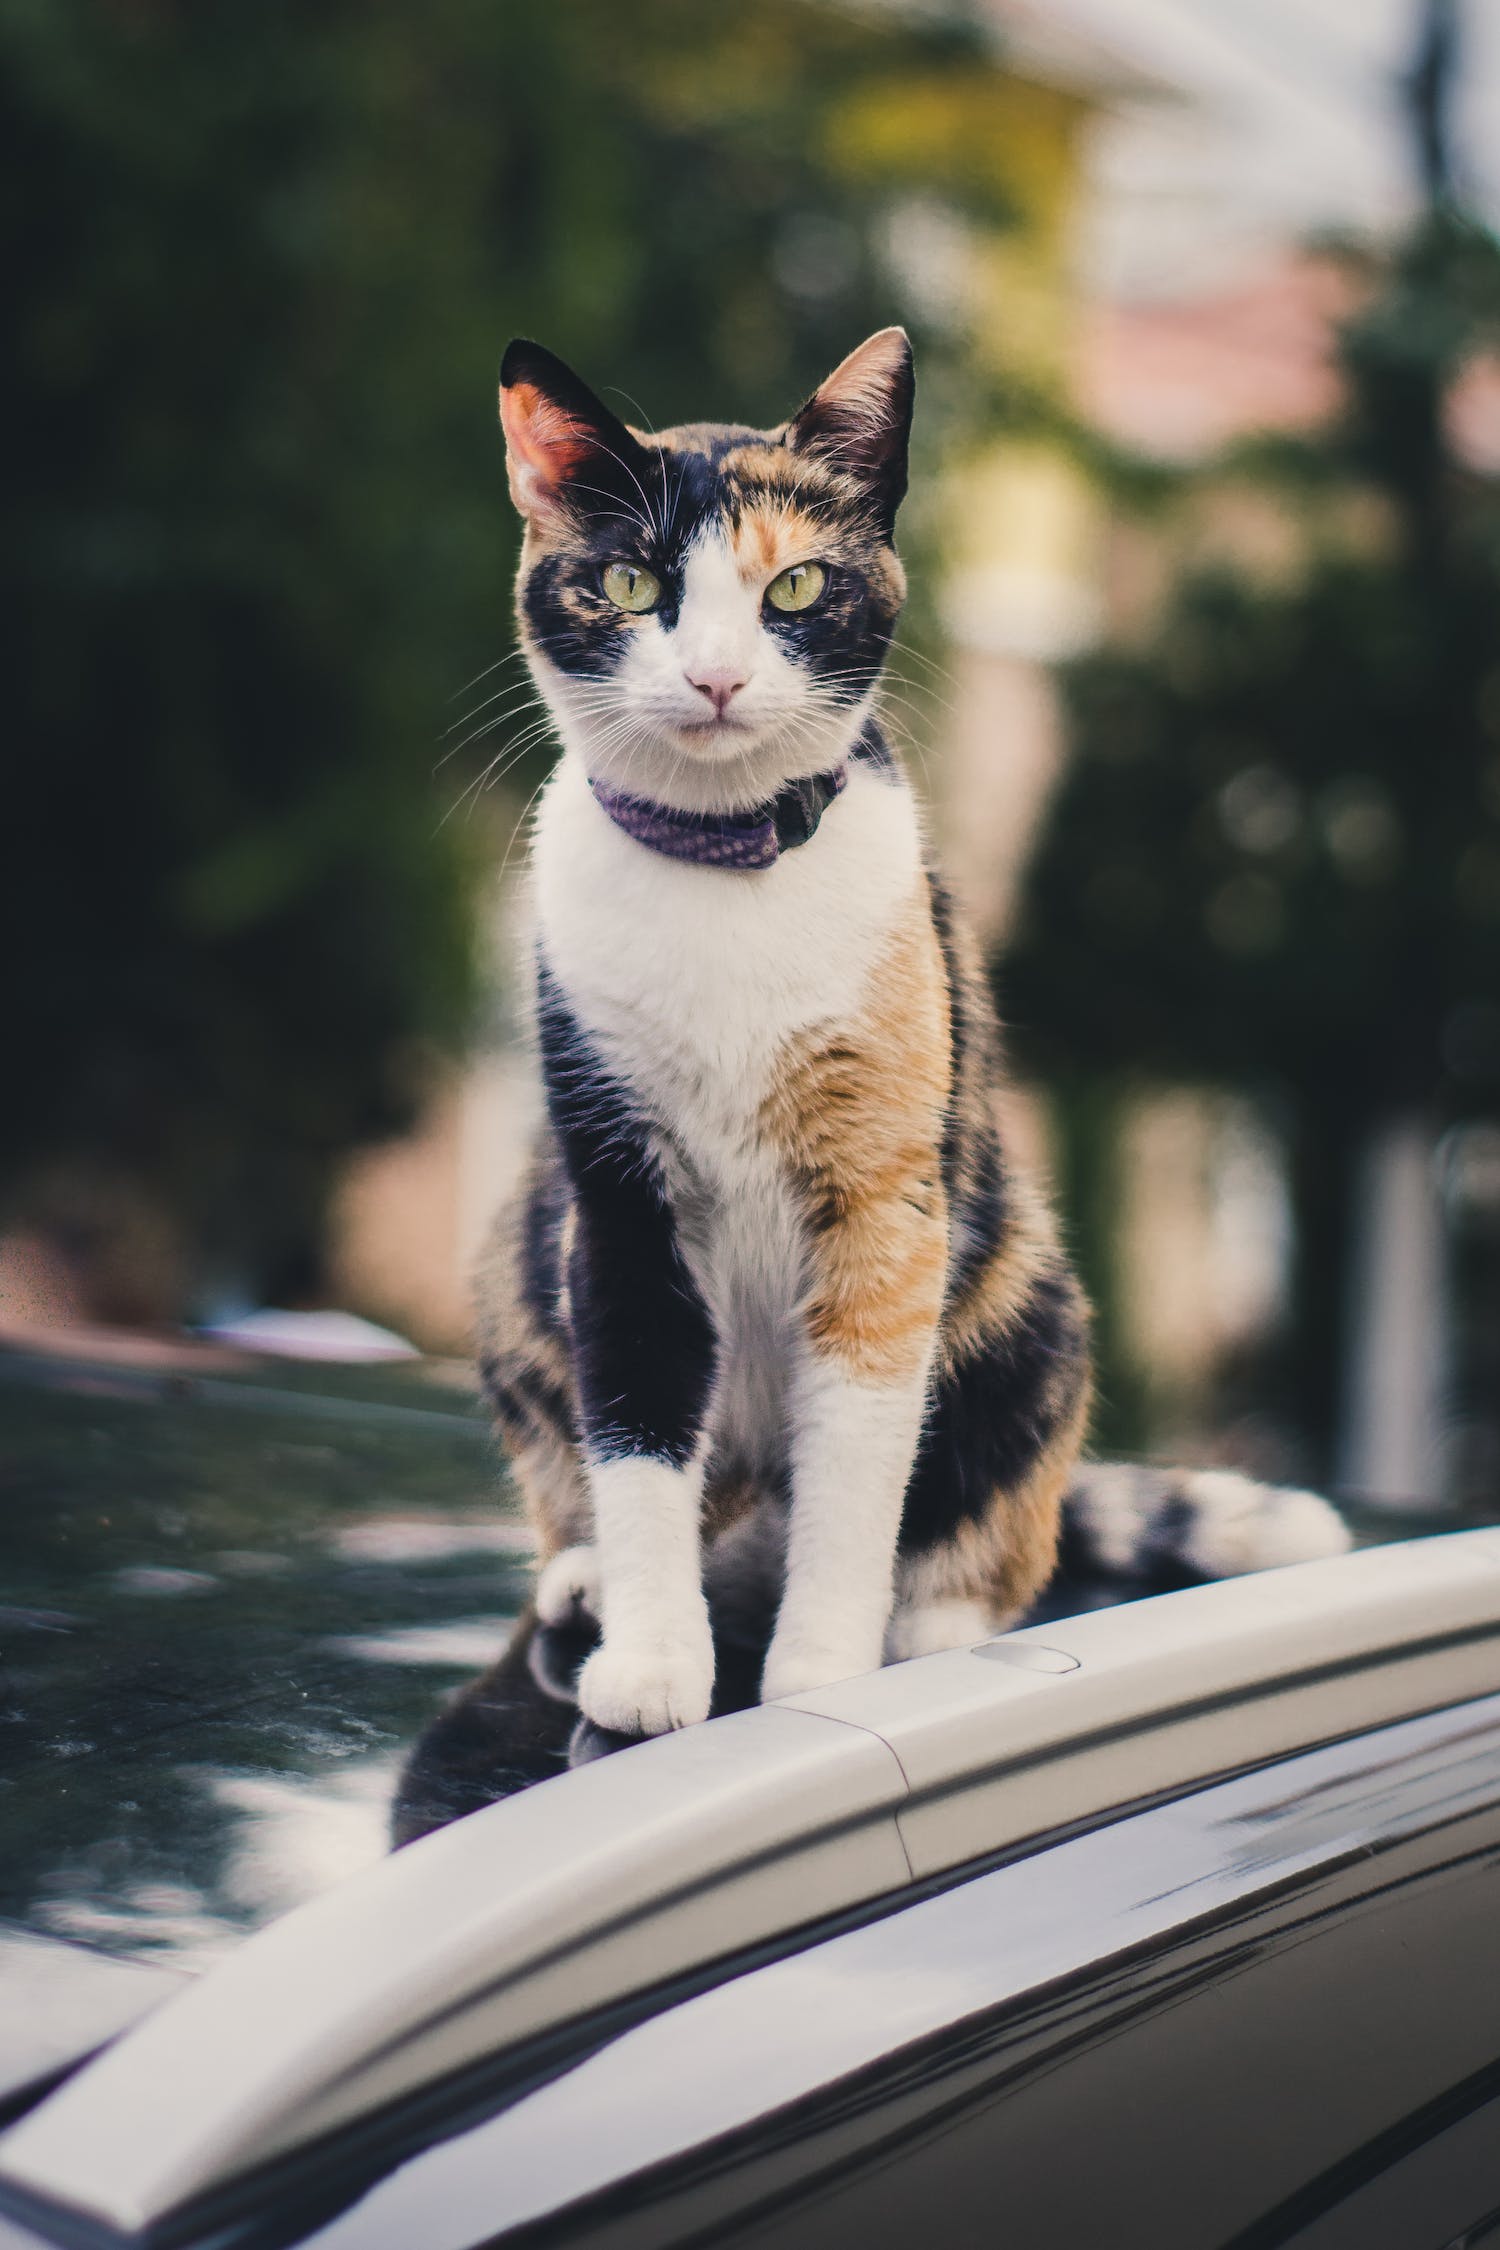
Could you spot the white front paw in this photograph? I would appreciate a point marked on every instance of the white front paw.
(567, 1587)
(629, 1687)
(794, 1667)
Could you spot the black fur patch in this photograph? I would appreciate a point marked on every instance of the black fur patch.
(973, 1167)
(844, 636)
(980, 1213)
(872, 749)
(643, 1344)
(528, 1402)
(1163, 1558)
(1077, 1554)
(994, 1415)
(546, 1209)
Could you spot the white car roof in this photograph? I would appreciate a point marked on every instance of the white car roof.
(655, 1862)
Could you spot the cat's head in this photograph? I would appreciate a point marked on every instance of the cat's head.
(706, 609)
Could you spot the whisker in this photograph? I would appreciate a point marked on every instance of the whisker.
(599, 493)
(908, 648)
(516, 828)
(488, 728)
(506, 757)
(525, 689)
(509, 658)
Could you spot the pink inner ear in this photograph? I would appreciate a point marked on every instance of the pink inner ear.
(540, 435)
(857, 417)
(861, 386)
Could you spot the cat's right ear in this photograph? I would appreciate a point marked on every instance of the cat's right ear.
(564, 450)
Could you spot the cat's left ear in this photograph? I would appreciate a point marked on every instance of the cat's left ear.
(859, 420)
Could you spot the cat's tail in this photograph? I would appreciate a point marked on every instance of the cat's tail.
(1182, 1527)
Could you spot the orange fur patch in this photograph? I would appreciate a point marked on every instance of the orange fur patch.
(770, 536)
(536, 428)
(543, 447)
(860, 1115)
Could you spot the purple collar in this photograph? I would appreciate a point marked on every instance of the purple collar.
(742, 840)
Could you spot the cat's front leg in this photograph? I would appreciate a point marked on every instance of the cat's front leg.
(655, 1667)
(853, 1450)
(860, 1392)
(643, 1356)
(861, 1116)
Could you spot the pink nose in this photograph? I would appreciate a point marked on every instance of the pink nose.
(717, 686)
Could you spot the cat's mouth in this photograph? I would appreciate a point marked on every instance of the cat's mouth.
(711, 730)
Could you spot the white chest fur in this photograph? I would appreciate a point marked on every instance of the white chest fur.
(691, 980)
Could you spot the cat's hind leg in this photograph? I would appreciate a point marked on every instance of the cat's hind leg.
(999, 1448)
(525, 1363)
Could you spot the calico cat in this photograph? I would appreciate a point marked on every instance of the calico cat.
(776, 1311)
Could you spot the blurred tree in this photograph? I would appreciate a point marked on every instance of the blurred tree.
(262, 263)
(1275, 860)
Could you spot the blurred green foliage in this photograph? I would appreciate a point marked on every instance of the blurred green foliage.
(262, 265)
(1275, 860)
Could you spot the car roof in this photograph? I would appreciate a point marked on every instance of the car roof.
(610, 1880)
(232, 1593)
(63, 2001)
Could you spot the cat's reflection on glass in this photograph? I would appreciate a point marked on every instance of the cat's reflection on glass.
(519, 1722)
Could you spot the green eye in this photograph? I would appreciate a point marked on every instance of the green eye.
(630, 587)
(797, 588)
